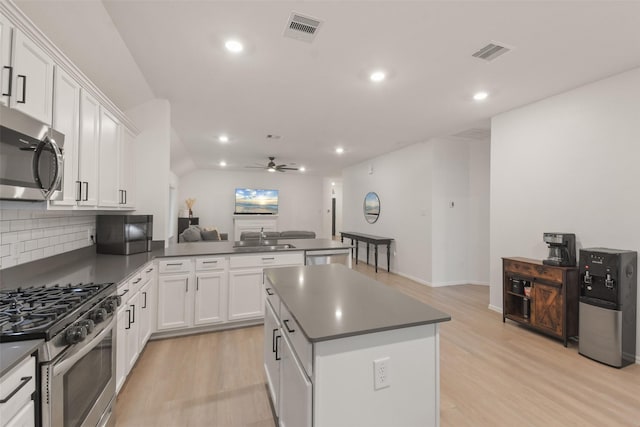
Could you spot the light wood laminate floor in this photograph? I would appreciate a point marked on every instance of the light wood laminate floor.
(491, 374)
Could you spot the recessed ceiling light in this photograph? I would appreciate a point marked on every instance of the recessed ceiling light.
(339, 150)
(480, 96)
(223, 163)
(234, 46)
(223, 138)
(333, 183)
(302, 169)
(377, 76)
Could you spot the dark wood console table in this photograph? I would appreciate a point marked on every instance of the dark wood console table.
(369, 239)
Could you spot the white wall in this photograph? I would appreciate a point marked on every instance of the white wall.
(152, 148)
(568, 163)
(299, 199)
(434, 243)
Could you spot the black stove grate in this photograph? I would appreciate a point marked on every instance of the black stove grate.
(42, 312)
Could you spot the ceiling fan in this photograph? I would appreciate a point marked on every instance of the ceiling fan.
(273, 167)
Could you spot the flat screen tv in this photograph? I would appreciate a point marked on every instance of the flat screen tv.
(256, 202)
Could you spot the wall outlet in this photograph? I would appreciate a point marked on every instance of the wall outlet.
(381, 377)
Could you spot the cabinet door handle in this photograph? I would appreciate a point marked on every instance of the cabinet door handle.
(125, 196)
(269, 291)
(268, 258)
(149, 270)
(128, 319)
(286, 325)
(187, 285)
(24, 88)
(133, 312)
(197, 283)
(274, 347)
(137, 281)
(122, 294)
(174, 263)
(10, 68)
(209, 262)
(277, 338)
(86, 191)
(23, 382)
(145, 300)
(79, 191)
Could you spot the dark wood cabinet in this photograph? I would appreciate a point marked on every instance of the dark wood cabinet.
(552, 305)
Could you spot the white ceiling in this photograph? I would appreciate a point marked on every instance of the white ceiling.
(317, 96)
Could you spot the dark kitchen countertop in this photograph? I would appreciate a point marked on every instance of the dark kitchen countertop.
(13, 353)
(331, 301)
(226, 247)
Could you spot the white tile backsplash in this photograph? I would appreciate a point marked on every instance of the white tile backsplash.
(28, 235)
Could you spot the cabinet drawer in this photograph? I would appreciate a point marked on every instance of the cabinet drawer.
(174, 266)
(210, 263)
(21, 381)
(267, 260)
(272, 297)
(147, 272)
(533, 270)
(302, 347)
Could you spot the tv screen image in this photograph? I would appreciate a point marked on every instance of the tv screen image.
(254, 201)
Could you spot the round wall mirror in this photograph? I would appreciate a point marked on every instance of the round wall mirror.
(371, 207)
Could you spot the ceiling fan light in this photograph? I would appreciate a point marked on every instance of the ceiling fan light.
(271, 169)
(302, 169)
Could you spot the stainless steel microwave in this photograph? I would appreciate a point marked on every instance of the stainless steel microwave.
(123, 234)
(31, 159)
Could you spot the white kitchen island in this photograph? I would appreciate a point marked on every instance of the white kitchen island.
(344, 350)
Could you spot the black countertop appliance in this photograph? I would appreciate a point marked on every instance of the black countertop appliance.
(124, 234)
(608, 300)
(562, 249)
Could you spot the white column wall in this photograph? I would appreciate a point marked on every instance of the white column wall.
(568, 163)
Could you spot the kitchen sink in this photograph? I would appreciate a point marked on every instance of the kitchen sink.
(262, 248)
(254, 243)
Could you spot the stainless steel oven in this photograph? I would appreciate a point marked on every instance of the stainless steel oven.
(78, 386)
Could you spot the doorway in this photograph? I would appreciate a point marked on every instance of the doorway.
(333, 216)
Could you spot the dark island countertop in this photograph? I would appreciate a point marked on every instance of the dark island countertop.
(15, 352)
(331, 301)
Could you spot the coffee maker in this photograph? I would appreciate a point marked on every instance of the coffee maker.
(562, 249)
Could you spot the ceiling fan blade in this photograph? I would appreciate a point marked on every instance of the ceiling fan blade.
(280, 170)
(256, 167)
(288, 169)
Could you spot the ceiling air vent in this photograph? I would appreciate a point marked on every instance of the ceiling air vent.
(474, 133)
(492, 51)
(302, 27)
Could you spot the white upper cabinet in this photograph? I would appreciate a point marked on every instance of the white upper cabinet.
(127, 171)
(66, 119)
(5, 60)
(88, 149)
(109, 172)
(32, 80)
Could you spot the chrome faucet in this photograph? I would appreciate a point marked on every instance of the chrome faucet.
(262, 235)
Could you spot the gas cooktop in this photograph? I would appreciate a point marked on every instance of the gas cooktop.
(42, 312)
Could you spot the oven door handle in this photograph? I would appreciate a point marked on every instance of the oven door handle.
(64, 364)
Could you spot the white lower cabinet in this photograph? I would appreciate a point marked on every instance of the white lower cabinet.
(188, 298)
(245, 294)
(272, 354)
(295, 390)
(246, 300)
(16, 389)
(209, 300)
(134, 320)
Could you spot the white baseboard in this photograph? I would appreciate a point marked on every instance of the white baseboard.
(441, 284)
(415, 279)
(495, 308)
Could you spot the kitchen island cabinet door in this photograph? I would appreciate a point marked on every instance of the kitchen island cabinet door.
(245, 294)
(272, 352)
(174, 301)
(210, 295)
(295, 390)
